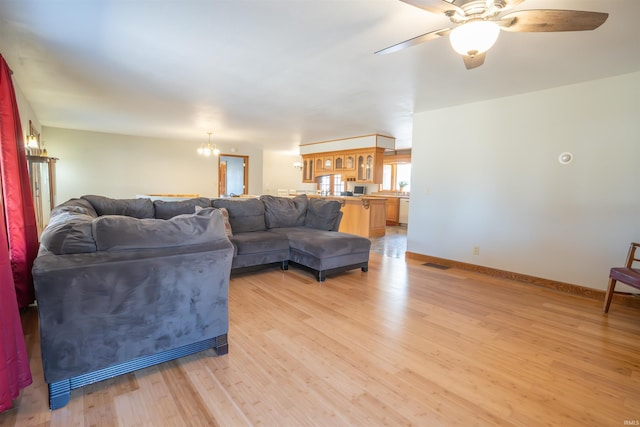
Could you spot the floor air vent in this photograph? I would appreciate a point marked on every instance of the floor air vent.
(438, 266)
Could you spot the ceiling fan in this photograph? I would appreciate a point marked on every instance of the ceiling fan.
(477, 23)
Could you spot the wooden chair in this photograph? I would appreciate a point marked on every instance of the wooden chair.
(628, 275)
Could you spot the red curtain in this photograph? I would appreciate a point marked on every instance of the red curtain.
(18, 244)
(20, 218)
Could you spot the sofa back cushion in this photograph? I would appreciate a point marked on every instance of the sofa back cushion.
(80, 206)
(244, 214)
(284, 211)
(117, 232)
(136, 208)
(322, 214)
(167, 210)
(68, 232)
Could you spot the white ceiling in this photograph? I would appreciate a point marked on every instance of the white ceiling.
(280, 72)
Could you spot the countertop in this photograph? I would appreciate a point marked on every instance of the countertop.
(390, 196)
(365, 197)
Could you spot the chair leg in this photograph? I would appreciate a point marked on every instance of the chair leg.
(609, 295)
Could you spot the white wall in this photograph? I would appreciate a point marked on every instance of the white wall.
(279, 172)
(487, 174)
(123, 166)
(26, 112)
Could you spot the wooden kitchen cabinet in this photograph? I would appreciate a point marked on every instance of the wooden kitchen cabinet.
(369, 165)
(328, 163)
(393, 211)
(362, 216)
(319, 166)
(308, 169)
(349, 162)
(364, 166)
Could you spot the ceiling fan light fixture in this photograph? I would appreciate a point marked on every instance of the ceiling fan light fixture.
(474, 37)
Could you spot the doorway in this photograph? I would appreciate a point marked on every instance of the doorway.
(233, 175)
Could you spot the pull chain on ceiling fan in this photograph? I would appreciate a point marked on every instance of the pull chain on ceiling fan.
(477, 24)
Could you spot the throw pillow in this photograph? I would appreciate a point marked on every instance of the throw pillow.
(225, 217)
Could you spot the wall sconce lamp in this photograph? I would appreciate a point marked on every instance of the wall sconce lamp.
(32, 141)
(297, 165)
(32, 138)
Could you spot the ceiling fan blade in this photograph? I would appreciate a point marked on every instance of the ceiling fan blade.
(509, 4)
(435, 6)
(414, 41)
(549, 20)
(474, 61)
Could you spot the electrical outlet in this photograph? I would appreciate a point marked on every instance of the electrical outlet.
(476, 250)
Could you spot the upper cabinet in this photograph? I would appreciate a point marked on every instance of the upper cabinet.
(307, 169)
(319, 165)
(358, 159)
(338, 162)
(361, 166)
(349, 162)
(328, 163)
(369, 166)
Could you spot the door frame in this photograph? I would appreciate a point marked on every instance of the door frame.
(245, 184)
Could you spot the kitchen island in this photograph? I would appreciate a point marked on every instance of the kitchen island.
(397, 207)
(364, 216)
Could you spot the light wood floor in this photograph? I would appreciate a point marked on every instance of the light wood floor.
(404, 344)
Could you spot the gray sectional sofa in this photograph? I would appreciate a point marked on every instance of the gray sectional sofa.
(118, 290)
(123, 284)
(300, 230)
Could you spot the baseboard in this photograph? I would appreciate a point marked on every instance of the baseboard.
(630, 300)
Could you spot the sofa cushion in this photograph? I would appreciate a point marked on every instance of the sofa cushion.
(244, 214)
(284, 211)
(75, 205)
(117, 232)
(259, 241)
(136, 208)
(323, 244)
(322, 214)
(68, 232)
(167, 210)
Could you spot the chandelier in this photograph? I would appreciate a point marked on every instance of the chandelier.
(208, 149)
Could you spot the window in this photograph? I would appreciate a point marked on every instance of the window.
(331, 184)
(338, 185)
(324, 183)
(395, 173)
(387, 177)
(403, 175)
